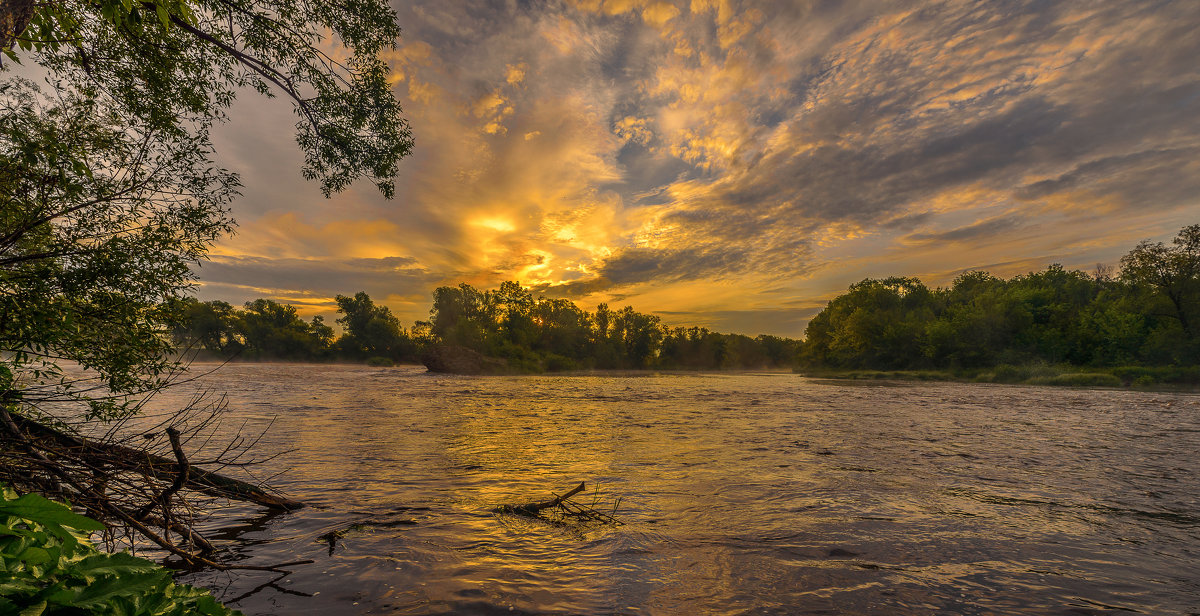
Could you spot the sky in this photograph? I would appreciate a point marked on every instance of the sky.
(732, 164)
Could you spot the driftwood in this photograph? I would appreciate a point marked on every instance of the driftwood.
(559, 510)
(532, 509)
(120, 457)
(140, 492)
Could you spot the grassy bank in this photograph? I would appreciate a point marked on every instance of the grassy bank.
(1168, 377)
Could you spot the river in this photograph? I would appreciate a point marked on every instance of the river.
(738, 494)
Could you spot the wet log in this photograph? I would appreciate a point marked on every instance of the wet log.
(121, 457)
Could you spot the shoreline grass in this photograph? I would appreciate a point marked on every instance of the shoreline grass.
(1121, 377)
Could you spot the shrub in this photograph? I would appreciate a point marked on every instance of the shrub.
(1078, 379)
(380, 362)
(50, 567)
(559, 363)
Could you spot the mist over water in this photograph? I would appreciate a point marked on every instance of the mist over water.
(740, 494)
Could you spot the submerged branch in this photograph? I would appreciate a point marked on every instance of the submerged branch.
(559, 510)
(130, 459)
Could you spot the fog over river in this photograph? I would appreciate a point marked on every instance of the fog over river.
(739, 494)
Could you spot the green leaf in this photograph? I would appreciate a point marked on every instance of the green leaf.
(163, 15)
(210, 607)
(99, 592)
(14, 585)
(43, 511)
(34, 610)
(35, 556)
(119, 564)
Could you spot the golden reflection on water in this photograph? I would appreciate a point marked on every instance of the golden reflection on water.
(751, 493)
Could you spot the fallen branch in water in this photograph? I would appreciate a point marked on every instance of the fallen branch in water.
(120, 457)
(127, 488)
(559, 510)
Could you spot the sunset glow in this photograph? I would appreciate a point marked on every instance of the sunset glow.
(736, 164)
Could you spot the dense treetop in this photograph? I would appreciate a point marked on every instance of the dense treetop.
(1145, 315)
(175, 66)
(533, 334)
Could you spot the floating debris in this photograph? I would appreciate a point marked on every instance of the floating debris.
(559, 510)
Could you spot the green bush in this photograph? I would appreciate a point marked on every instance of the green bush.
(1146, 375)
(559, 363)
(1025, 373)
(49, 567)
(1008, 373)
(1078, 379)
(380, 362)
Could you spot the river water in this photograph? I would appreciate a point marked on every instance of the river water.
(739, 494)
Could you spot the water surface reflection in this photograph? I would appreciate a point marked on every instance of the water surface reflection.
(741, 494)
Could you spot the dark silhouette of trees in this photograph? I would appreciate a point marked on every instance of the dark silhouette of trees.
(533, 334)
(268, 329)
(371, 331)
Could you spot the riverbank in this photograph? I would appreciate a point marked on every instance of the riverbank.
(1185, 378)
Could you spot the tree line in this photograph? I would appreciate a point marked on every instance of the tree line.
(1146, 313)
(533, 334)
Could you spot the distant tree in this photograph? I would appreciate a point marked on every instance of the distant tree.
(976, 322)
(876, 324)
(371, 330)
(270, 330)
(461, 316)
(1169, 278)
(639, 336)
(210, 326)
(1054, 301)
(780, 352)
(563, 328)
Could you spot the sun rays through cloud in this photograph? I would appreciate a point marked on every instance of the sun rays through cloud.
(734, 163)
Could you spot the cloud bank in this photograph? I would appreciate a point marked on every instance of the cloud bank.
(717, 160)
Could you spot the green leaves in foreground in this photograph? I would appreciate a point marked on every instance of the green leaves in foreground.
(48, 566)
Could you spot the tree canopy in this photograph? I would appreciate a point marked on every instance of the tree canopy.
(177, 65)
(1146, 316)
(534, 334)
(100, 219)
(109, 192)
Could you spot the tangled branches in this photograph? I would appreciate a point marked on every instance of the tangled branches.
(135, 489)
(559, 510)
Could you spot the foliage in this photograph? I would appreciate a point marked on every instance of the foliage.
(1167, 280)
(108, 190)
(100, 219)
(1078, 379)
(547, 334)
(534, 334)
(177, 64)
(1022, 326)
(109, 196)
(371, 330)
(48, 566)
